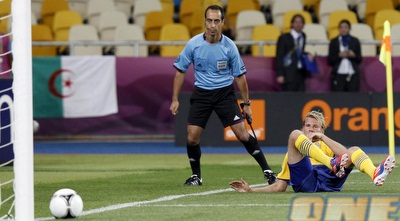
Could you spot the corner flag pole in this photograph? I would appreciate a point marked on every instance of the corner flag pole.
(385, 57)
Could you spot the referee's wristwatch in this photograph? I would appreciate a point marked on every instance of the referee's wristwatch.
(246, 103)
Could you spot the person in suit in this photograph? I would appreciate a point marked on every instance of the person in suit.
(291, 71)
(345, 57)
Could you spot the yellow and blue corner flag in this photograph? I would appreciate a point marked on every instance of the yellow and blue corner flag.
(386, 46)
(386, 58)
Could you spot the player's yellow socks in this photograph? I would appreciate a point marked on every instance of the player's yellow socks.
(308, 148)
(363, 162)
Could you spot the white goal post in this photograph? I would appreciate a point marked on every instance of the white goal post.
(22, 89)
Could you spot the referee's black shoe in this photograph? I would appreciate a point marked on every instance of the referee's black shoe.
(194, 180)
(270, 176)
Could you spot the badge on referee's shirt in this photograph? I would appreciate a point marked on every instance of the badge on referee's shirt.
(221, 65)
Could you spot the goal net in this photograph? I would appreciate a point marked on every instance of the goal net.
(16, 117)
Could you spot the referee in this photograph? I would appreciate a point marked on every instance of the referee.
(216, 62)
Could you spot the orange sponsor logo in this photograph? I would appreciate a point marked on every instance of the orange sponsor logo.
(258, 108)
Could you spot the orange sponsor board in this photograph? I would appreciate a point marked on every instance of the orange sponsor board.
(258, 108)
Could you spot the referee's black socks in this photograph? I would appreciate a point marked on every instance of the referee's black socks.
(253, 148)
(194, 154)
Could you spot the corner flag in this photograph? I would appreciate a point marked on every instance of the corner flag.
(385, 57)
(386, 46)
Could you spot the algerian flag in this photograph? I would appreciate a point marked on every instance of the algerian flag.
(74, 87)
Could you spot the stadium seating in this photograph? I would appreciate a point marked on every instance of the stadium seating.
(392, 15)
(124, 6)
(266, 32)
(311, 5)
(95, 8)
(108, 21)
(266, 4)
(279, 8)
(168, 6)
(62, 22)
(129, 32)
(287, 18)
(78, 6)
(5, 7)
(326, 7)
(142, 7)
(235, 6)
(364, 33)
(186, 10)
(153, 24)
(246, 20)
(36, 7)
(395, 36)
(334, 19)
(373, 6)
(43, 32)
(87, 33)
(316, 32)
(173, 32)
(197, 22)
(49, 9)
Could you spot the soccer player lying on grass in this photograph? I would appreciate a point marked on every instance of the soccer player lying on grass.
(316, 163)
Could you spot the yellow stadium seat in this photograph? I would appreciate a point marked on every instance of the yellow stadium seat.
(5, 7)
(392, 15)
(287, 18)
(62, 22)
(372, 6)
(197, 22)
(173, 32)
(49, 9)
(43, 32)
(266, 32)
(335, 17)
(168, 6)
(186, 10)
(155, 20)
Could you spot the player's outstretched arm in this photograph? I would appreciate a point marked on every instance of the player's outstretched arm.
(243, 187)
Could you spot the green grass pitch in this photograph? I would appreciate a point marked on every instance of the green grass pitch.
(149, 187)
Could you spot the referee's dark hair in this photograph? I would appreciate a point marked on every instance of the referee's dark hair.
(215, 7)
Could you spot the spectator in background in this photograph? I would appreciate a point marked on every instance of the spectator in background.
(291, 71)
(5, 56)
(345, 57)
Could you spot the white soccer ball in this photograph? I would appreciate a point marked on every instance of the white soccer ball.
(66, 203)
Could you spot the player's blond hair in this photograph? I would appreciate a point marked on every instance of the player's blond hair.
(319, 116)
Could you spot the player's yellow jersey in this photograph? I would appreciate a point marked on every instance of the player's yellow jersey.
(285, 174)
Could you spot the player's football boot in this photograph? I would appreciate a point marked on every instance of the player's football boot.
(194, 180)
(338, 163)
(383, 170)
(270, 176)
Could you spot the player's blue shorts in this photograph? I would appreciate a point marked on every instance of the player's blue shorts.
(305, 177)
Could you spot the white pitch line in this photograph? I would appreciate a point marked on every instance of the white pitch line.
(139, 203)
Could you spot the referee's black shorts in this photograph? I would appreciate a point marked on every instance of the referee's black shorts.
(223, 101)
